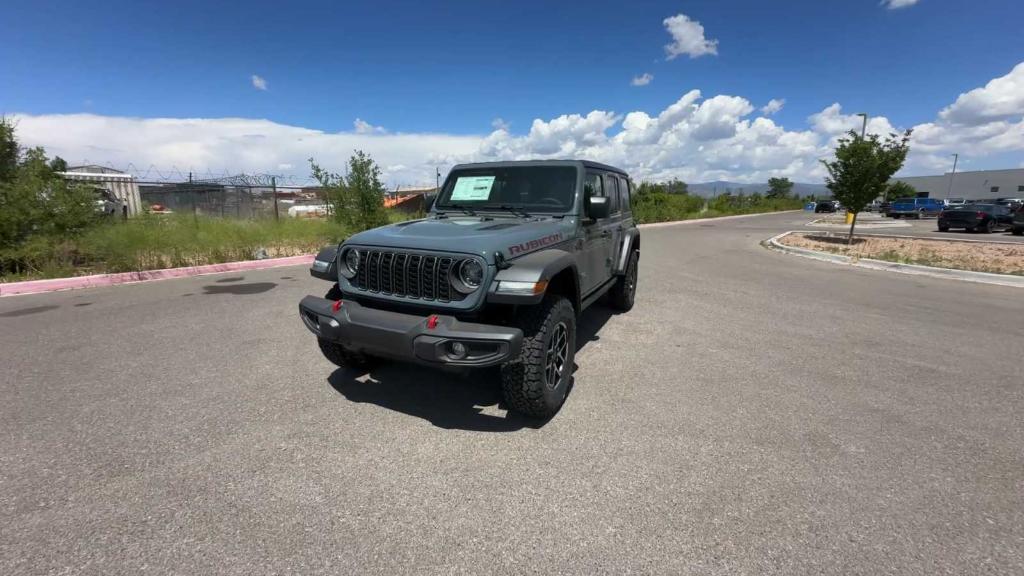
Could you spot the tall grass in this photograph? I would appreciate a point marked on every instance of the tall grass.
(152, 242)
(662, 207)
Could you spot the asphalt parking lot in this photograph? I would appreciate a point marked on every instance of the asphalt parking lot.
(922, 228)
(755, 413)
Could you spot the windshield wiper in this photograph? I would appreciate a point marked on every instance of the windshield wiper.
(517, 210)
(460, 207)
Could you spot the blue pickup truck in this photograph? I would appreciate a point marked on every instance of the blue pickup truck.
(916, 207)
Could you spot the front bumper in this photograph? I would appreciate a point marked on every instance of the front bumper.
(408, 337)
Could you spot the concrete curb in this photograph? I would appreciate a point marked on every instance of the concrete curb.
(699, 220)
(868, 225)
(948, 273)
(905, 237)
(98, 280)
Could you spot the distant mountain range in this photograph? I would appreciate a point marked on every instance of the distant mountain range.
(708, 189)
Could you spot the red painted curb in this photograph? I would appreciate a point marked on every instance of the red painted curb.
(98, 280)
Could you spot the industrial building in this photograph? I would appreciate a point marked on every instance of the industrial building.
(976, 185)
(122, 186)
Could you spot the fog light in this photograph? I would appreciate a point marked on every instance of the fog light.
(458, 350)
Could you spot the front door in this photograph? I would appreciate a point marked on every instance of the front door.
(597, 238)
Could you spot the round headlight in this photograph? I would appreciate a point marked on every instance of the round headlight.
(352, 261)
(471, 274)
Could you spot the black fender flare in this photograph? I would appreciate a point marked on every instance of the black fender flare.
(326, 254)
(536, 267)
(630, 242)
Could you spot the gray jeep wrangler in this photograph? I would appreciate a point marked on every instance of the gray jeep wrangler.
(509, 256)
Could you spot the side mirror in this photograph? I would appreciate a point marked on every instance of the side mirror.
(597, 207)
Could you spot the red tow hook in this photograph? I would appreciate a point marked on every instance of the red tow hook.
(336, 306)
(432, 322)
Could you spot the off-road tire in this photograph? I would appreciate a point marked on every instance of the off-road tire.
(989, 227)
(943, 228)
(524, 383)
(622, 295)
(1018, 231)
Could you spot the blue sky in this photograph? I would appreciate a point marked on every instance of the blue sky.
(453, 68)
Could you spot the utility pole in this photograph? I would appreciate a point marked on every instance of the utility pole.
(273, 189)
(864, 125)
(949, 192)
(437, 184)
(192, 195)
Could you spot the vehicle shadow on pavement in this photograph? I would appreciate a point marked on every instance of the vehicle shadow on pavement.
(452, 401)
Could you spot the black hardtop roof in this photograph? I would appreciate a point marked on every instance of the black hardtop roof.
(580, 163)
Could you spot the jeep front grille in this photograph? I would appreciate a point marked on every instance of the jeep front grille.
(405, 274)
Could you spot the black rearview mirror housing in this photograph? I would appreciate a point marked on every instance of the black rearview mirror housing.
(597, 207)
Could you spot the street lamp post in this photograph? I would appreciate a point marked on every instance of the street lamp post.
(949, 192)
(864, 125)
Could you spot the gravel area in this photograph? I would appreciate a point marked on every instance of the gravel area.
(976, 256)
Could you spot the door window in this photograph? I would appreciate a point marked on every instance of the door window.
(624, 193)
(611, 190)
(592, 186)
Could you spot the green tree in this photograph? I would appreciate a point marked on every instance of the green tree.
(779, 188)
(357, 198)
(34, 200)
(899, 189)
(862, 167)
(58, 164)
(8, 150)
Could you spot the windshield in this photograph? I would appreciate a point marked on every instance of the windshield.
(532, 188)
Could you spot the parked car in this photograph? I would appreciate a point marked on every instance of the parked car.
(884, 207)
(976, 218)
(495, 276)
(106, 203)
(824, 207)
(1011, 203)
(955, 202)
(916, 207)
(1018, 222)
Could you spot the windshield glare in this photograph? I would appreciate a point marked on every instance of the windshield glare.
(531, 188)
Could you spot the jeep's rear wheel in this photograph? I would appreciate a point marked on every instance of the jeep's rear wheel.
(623, 293)
(537, 382)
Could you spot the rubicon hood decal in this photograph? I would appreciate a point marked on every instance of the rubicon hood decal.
(531, 245)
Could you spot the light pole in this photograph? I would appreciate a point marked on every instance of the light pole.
(864, 125)
(949, 192)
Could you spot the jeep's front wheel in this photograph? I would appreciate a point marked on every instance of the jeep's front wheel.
(537, 382)
(623, 293)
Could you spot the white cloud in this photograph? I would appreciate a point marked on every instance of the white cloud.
(687, 38)
(773, 106)
(234, 145)
(1002, 98)
(642, 80)
(363, 127)
(499, 124)
(896, 4)
(693, 138)
(258, 82)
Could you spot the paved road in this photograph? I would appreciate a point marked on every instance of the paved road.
(756, 413)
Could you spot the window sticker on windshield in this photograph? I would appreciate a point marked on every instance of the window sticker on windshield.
(472, 188)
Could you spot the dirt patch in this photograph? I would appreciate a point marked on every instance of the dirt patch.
(976, 256)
